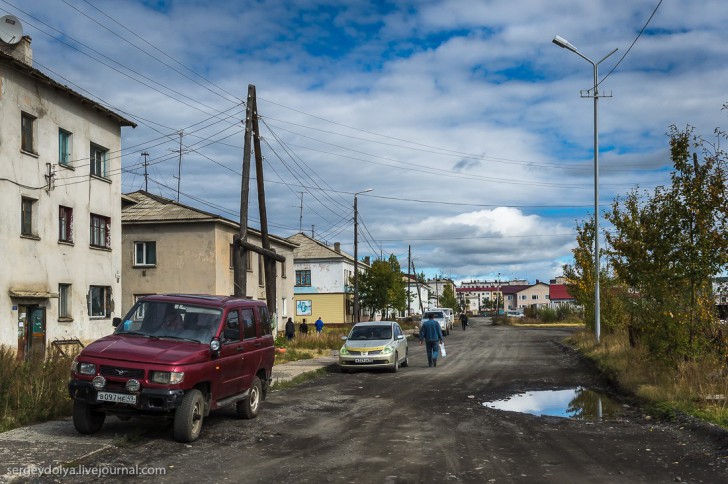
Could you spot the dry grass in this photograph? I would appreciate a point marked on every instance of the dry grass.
(696, 388)
(32, 391)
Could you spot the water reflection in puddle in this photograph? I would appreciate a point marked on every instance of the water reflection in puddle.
(576, 403)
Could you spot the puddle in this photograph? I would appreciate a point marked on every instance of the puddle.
(576, 403)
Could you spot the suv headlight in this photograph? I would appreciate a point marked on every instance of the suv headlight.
(167, 377)
(387, 350)
(83, 368)
(343, 350)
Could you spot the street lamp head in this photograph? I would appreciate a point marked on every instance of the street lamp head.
(364, 191)
(562, 42)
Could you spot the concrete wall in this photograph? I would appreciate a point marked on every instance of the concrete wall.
(41, 263)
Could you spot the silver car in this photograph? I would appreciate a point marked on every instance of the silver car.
(376, 344)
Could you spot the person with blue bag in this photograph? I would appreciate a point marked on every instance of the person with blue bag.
(431, 334)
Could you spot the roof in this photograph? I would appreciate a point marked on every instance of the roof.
(41, 78)
(477, 289)
(309, 248)
(142, 207)
(559, 291)
(514, 289)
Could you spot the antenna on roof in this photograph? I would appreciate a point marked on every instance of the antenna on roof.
(11, 30)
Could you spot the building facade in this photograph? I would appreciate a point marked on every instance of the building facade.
(169, 247)
(323, 285)
(60, 227)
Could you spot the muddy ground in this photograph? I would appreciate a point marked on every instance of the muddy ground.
(429, 425)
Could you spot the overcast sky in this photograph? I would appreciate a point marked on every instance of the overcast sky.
(462, 116)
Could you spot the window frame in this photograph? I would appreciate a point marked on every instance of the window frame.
(27, 132)
(65, 224)
(65, 297)
(99, 230)
(98, 165)
(145, 244)
(105, 297)
(65, 148)
(28, 216)
(303, 278)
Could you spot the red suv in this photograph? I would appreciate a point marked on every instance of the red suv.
(176, 355)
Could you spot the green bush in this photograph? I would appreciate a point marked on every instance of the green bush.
(34, 390)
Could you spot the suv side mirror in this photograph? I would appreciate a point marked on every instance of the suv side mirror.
(116, 322)
(215, 347)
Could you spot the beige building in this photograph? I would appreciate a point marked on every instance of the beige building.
(535, 296)
(323, 282)
(169, 247)
(60, 226)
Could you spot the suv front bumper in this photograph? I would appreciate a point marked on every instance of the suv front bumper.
(148, 399)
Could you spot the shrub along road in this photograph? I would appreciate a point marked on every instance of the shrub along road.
(429, 425)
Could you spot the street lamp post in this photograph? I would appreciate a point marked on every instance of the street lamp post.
(356, 256)
(561, 42)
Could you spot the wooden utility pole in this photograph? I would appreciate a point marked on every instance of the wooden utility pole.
(409, 294)
(242, 246)
(419, 293)
(240, 252)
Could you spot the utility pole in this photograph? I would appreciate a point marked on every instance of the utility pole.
(409, 279)
(312, 226)
(300, 216)
(146, 175)
(179, 168)
(419, 293)
(240, 260)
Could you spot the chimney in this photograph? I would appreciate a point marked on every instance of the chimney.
(337, 247)
(20, 51)
(367, 260)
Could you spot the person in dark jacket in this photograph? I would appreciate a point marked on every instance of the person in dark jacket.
(303, 327)
(464, 320)
(290, 329)
(431, 333)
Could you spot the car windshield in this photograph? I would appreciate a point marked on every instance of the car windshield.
(363, 333)
(434, 315)
(171, 320)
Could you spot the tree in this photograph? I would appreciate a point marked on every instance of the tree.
(448, 300)
(668, 245)
(382, 288)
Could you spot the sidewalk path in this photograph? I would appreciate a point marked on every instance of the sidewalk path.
(49, 447)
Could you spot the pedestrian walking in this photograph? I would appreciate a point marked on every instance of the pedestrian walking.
(431, 334)
(290, 329)
(463, 320)
(319, 325)
(303, 328)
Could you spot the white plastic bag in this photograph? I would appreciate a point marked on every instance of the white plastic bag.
(443, 353)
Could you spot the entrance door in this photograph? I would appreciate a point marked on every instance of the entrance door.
(32, 329)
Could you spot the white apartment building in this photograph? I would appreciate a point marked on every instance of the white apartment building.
(60, 227)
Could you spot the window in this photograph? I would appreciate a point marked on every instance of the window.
(249, 330)
(98, 160)
(250, 260)
(64, 147)
(28, 217)
(100, 231)
(265, 322)
(303, 278)
(65, 224)
(99, 301)
(27, 132)
(534, 296)
(283, 269)
(261, 270)
(232, 256)
(232, 327)
(523, 297)
(145, 253)
(64, 301)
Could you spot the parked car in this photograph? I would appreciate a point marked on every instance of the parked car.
(379, 344)
(514, 314)
(177, 356)
(439, 316)
(450, 317)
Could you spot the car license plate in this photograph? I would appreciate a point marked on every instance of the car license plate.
(116, 398)
(363, 360)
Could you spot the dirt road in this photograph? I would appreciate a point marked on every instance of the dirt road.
(429, 425)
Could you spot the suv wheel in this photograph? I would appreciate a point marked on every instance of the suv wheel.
(248, 407)
(86, 419)
(188, 417)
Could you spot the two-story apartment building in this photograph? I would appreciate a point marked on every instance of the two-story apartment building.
(169, 247)
(60, 226)
(323, 281)
(474, 299)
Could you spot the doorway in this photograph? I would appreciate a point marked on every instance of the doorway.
(31, 331)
